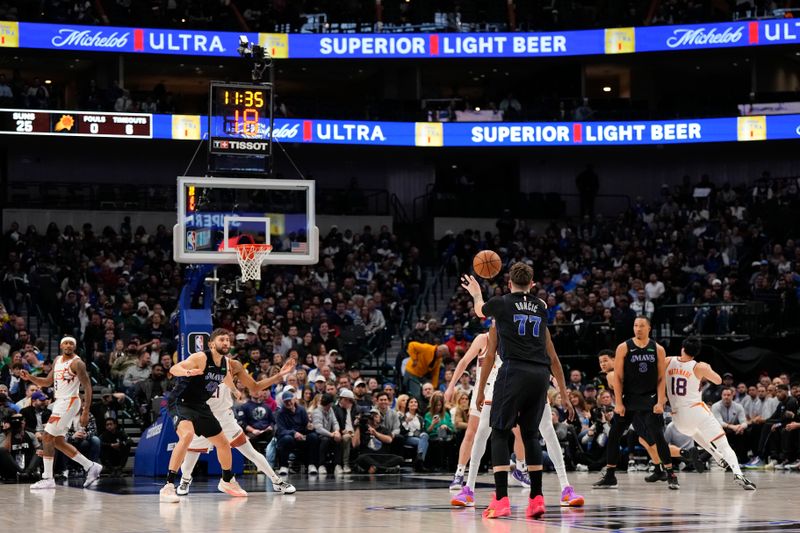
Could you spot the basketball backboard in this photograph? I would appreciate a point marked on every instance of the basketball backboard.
(215, 214)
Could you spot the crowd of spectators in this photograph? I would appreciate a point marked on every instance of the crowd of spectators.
(234, 15)
(700, 244)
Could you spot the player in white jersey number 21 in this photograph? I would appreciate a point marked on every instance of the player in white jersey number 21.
(221, 405)
(691, 415)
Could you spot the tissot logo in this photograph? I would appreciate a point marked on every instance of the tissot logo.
(89, 39)
(700, 36)
(242, 145)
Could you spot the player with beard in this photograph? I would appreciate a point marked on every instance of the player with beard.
(198, 378)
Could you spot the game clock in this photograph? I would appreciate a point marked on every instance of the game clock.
(239, 119)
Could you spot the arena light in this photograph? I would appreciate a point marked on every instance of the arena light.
(606, 89)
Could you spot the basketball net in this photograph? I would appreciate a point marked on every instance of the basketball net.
(251, 256)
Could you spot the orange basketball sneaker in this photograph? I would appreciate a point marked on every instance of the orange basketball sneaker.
(498, 508)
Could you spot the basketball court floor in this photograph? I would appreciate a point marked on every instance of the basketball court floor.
(706, 502)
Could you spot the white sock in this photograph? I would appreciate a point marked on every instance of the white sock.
(482, 435)
(728, 454)
(554, 451)
(48, 467)
(520, 465)
(188, 464)
(259, 460)
(710, 449)
(82, 460)
(460, 469)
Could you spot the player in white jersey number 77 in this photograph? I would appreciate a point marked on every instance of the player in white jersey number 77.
(221, 405)
(691, 415)
(67, 375)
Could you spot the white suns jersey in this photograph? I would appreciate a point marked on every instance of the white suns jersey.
(221, 401)
(65, 381)
(683, 387)
(492, 374)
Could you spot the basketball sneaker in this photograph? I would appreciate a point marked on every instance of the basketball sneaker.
(535, 507)
(231, 488)
(92, 474)
(745, 483)
(672, 481)
(755, 463)
(167, 494)
(519, 478)
(49, 483)
(607, 481)
(570, 499)
(283, 471)
(284, 487)
(465, 498)
(659, 474)
(183, 487)
(457, 483)
(498, 508)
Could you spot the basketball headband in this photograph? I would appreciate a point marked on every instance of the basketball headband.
(68, 339)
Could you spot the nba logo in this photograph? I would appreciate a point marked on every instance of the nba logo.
(191, 241)
(199, 344)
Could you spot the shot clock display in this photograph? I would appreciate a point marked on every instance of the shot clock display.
(239, 119)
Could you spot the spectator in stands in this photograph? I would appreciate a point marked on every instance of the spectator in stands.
(295, 434)
(6, 94)
(575, 380)
(257, 419)
(85, 440)
(733, 420)
(145, 390)
(37, 95)
(511, 108)
(7, 407)
(30, 388)
(769, 445)
(424, 360)
(115, 447)
(111, 405)
(136, 373)
(330, 436)
(346, 413)
(37, 414)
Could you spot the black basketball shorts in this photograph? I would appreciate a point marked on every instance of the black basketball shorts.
(520, 393)
(200, 415)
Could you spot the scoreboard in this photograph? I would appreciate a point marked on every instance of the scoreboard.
(240, 122)
(76, 123)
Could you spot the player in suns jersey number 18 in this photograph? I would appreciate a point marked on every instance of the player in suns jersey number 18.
(691, 415)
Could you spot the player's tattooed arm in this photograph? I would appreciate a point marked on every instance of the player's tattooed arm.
(78, 367)
(46, 381)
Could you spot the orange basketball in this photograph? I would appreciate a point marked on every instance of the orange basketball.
(487, 264)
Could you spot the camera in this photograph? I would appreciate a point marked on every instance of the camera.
(255, 53)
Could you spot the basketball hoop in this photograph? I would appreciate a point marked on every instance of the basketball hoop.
(250, 258)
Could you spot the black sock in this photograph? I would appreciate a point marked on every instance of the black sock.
(536, 482)
(501, 484)
(227, 475)
(610, 470)
(171, 475)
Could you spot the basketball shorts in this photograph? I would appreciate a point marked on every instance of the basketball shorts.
(638, 419)
(230, 428)
(697, 420)
(200, 415)
(520, 394)
(63, 413)
(488, 393)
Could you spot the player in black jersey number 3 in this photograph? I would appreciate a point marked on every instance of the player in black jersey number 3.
(197, 379)
(520, 390)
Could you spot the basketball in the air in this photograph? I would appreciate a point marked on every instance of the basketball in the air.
(487, 264)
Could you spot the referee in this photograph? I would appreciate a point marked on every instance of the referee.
(520, 391)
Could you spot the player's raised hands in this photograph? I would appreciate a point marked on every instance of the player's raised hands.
(288, 366)
(471, 285)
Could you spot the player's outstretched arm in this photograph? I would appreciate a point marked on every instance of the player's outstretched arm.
(474, 289)
(488, 363)
(619, 378)
(558, 373)
(79, 368)
(46, 381)
(474, 349)
(661, 355)
(704, 371)
(246, 378)
(191, 366)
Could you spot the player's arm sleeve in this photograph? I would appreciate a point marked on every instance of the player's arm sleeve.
(493, 307)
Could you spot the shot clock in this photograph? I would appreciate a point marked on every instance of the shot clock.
(239, 119)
